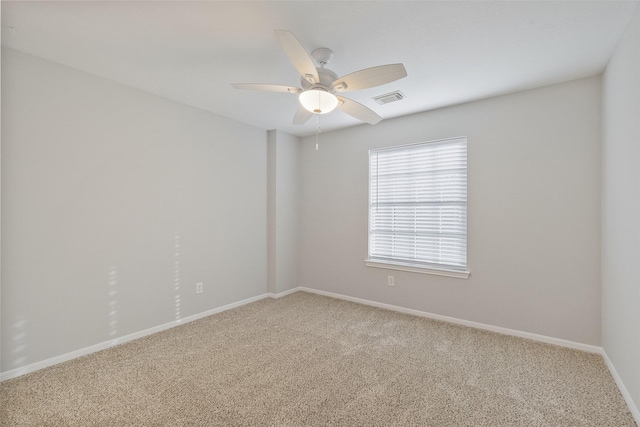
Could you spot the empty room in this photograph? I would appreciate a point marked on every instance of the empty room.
(320, 213)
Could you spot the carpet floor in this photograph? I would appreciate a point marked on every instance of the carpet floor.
(309, 360)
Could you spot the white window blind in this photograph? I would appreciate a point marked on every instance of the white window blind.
(418, 205)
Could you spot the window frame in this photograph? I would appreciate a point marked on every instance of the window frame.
(422, 267)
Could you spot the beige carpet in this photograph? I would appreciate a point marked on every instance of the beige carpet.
(310, 360)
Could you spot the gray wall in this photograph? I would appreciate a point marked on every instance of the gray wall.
(284, 176)
(534, 212)
(621, 210)
(115, 203)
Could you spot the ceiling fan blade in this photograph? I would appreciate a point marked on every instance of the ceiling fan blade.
(302, 115)
(266, 87)
(359, 111)
(370, 77)
(297, 55)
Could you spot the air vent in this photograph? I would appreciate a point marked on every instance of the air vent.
(389, 97)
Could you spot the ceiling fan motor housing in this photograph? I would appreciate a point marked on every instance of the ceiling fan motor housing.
(326, 77)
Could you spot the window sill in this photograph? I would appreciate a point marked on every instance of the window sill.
(414, 269)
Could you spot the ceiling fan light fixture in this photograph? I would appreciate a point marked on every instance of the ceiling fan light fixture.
(318, 101)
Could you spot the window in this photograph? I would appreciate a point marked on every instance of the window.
(418, 207)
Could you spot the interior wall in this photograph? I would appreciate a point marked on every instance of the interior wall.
(621, 210)
(271, 211)
(533, 212)
(115, 204)
(284, 177)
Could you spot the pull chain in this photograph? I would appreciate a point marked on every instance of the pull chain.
(317, 129)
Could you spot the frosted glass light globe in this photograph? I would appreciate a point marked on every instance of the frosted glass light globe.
(318, 101)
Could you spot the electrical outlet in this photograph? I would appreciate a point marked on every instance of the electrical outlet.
(199, 288)
(391, 281)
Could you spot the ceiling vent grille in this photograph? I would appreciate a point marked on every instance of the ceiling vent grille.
(389, 97)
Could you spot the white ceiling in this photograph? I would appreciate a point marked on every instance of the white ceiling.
(191, 52)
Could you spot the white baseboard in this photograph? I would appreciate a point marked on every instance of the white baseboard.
(281, 294)
(121, 340)
(623, 390)
(506, 331)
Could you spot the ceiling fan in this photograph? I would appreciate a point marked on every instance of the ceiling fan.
(321, 86)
